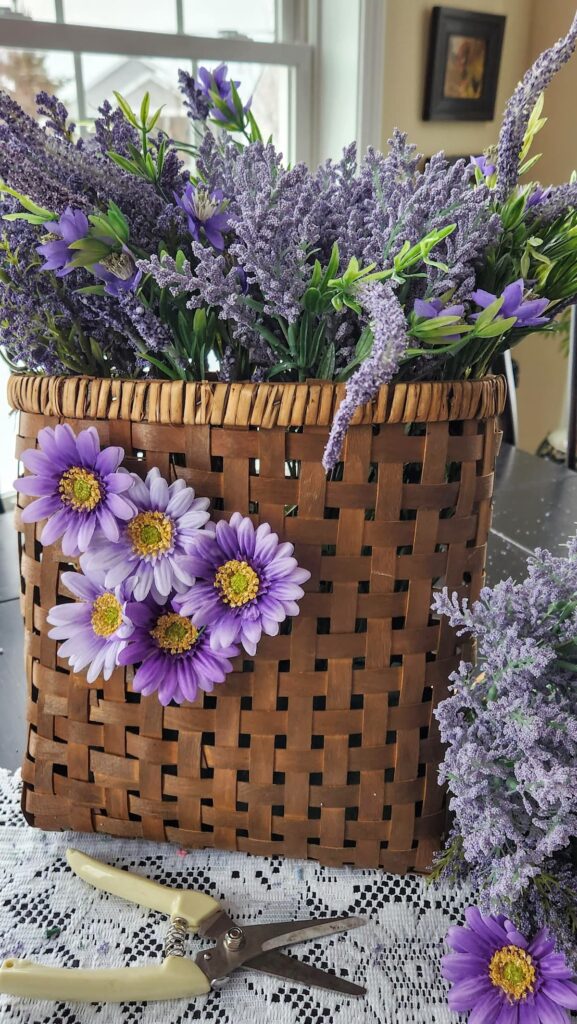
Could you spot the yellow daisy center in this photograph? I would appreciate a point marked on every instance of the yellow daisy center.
(174, 633)
(237, 582)
(150, 533)
(511, 969)
(106, 615)
(80, 489)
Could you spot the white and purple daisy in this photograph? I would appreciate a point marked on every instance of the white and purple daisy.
(175, 656)
(503, 978)
(95, 628)
(246, 583)
(79, 489)
(153, 545)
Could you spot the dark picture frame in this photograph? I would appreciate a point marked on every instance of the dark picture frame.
(463, 65)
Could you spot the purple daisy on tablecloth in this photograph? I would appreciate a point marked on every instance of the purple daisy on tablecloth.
(70, 227)
(153, 544)
(78, 487)
(204, 210)
(502, 978)
(175, 656)
(95, 628)
(246, 583)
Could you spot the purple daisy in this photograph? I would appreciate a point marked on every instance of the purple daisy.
(95, 628)
(153, 544)
(528, 313)
(431, 308)
(175, 657)
(247, 583)
(70, 227)
(504, 979)
(204, 210)
(217, 83)
(484, 164)
(119, 273)
(78, 486)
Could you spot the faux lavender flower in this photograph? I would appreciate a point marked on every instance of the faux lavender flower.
(176, 658)
(247, 583)
(390, 332)
(528, 313)
(195, 99)
(95, 628)
(79, 488)
(154, 542)
(503, 978)
(205, 211)
(520, 107)
(510, 730)
(70, 227)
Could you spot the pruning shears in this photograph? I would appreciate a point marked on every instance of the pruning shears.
(250, 947)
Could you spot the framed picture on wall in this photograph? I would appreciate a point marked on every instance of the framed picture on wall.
(463, 65)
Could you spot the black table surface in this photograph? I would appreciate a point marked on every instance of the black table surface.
(535, 506)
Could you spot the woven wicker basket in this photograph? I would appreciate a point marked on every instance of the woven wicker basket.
(324, 745)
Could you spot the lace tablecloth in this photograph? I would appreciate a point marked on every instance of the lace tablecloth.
(48, 914)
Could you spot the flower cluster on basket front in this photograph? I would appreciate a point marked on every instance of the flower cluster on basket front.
(120, 258)
(160, 585)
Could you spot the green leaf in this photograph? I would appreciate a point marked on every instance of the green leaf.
(126, 110)
(312, 300)
(152, 122)
(489, 314)
(326, 370)
(91, 289)
(29, 204)
(144, 108)
(31, 218)
(122, 161)
(493, 330)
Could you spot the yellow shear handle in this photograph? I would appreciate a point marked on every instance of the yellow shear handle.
(176, 978)
(192, 907)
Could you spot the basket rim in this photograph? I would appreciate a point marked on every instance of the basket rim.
(245, 404)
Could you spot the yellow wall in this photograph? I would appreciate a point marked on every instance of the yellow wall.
(542, 367)
(531, 26)
(406, 42)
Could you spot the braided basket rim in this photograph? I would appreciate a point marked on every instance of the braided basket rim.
(263, 405)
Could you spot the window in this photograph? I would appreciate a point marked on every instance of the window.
(85, 52)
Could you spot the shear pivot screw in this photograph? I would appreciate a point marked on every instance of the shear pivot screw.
(234, 938)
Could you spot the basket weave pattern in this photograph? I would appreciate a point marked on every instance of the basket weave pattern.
(323, 745)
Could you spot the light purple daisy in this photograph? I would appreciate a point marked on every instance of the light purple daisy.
(153, 544)
(502, 978)
(95, 628)
(175, 656)
(247, 583)
(79, 489)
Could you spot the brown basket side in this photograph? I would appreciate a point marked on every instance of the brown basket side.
(324, 745)
(242, 404)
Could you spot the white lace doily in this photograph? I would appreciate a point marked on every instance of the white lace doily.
(50, 915)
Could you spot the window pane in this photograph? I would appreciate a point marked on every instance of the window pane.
(128, 14)
(23, 73)
(36, 10)
(104, 74)
(229, 18)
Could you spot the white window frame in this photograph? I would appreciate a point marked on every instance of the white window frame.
(24, 34)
